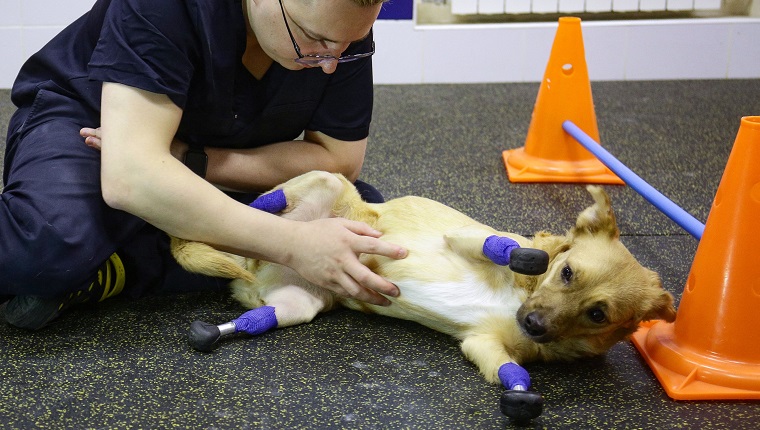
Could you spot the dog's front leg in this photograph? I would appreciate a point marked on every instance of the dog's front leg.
(482, 245)
(468, 241)
(487, 351)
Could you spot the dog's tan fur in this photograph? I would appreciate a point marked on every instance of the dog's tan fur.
(448, 284)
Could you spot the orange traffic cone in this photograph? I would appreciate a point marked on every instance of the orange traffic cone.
(549, 154)
(711, 351)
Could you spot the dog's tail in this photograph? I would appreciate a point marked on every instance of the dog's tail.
(200, 258)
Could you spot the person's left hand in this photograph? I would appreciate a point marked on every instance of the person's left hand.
(91, 137)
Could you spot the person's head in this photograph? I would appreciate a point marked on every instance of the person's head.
(318, 27)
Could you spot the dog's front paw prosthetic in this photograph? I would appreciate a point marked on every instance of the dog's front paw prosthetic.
(517, 402)
(204, 336)
(273, 202)
(507, 252)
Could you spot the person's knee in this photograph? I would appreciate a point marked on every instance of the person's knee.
(48, 273)
(38, 258)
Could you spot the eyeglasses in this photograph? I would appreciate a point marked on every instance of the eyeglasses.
(319, 60)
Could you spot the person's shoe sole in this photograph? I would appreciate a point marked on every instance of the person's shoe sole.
(31, 312)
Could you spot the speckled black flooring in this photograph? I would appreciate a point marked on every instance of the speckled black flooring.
(126, 364)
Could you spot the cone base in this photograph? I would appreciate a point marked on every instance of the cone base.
(688, 375)
(523, 167)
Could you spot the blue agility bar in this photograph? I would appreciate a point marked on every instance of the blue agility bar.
(665, 205)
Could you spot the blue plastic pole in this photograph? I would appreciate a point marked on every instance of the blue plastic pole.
(672, 210)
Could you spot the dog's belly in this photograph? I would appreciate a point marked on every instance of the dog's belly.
(448, 307)
(439, 288)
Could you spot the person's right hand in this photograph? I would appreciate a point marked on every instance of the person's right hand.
(326, 253)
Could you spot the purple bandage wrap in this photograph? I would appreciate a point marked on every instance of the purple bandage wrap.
(512, 374)
(272, 202)
(499, 248)
(256, 321)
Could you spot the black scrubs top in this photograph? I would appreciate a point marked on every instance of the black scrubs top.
(191, 50)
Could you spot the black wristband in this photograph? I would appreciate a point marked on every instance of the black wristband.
(196, 160)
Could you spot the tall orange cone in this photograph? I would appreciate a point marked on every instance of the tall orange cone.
(549, 154)
(712, 350)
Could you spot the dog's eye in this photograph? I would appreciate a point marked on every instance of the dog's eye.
(596, 315)
(567, 274)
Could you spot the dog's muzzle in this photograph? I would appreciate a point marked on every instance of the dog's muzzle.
(534, 326)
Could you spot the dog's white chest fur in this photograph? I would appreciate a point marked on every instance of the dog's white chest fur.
(450, 306)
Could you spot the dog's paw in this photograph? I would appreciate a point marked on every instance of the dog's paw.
(273, 202)
(529, 261)
(521, 405)
(203, 336)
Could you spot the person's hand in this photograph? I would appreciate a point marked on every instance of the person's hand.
(91, 137)
(326, 253)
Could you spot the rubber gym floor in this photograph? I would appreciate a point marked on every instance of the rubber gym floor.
(127, 364)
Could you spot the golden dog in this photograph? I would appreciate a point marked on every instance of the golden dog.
(593, 294)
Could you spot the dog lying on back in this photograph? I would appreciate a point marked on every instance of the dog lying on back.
(593, 294)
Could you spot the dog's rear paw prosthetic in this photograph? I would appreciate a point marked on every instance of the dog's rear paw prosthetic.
(517, 402)
(507, 252)
(205, 337)
(273, 202)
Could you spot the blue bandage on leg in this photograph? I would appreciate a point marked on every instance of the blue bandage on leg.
(499, 248)
(272, 202)
(256, 321)
(513, 376)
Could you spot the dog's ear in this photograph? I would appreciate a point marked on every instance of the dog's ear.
(660, 304)
(598, 218)
(662, 309)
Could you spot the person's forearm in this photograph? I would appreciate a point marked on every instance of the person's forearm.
(170, 197)
(260, 169)
(139, 175)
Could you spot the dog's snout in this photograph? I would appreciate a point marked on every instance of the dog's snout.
(534, 324)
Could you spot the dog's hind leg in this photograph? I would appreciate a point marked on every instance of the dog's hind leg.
(295, 305)
(304, 198)
(284, 306)
(315, 195)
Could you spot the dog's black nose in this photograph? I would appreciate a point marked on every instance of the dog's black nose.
(534, 324)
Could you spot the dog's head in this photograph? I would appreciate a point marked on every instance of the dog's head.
(594, 293)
